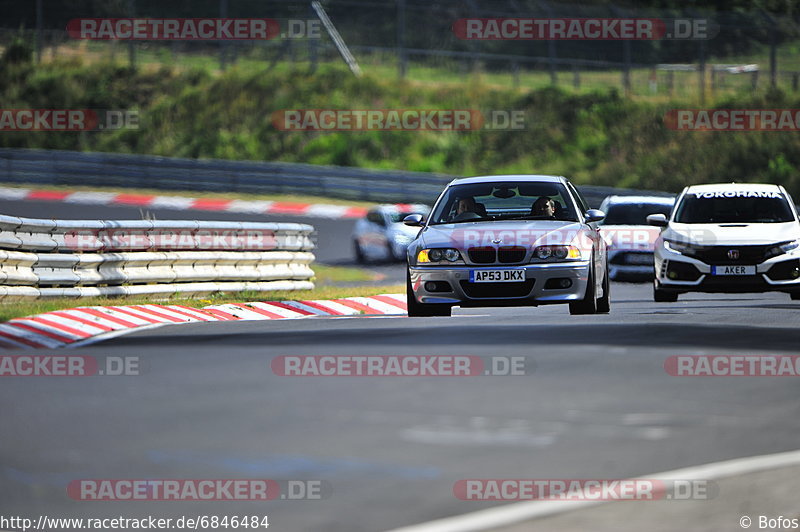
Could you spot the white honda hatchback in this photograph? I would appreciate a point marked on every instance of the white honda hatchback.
(728, 237)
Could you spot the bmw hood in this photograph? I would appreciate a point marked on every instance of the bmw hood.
(526, 233)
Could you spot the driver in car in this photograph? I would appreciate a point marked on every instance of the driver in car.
(466, 205)
(544, 206)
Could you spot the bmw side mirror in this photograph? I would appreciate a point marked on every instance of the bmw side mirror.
(593, 215)
(657, 220)
(413, 220)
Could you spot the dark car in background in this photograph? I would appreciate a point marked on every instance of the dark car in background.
(629, 237)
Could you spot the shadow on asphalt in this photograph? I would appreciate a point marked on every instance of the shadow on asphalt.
(455, 332)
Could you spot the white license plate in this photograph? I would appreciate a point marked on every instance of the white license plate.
(639, 259)
(496, 276)
(733, 270)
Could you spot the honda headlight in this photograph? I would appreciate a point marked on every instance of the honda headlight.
(782, 248)
(683, 248)
(788, 247)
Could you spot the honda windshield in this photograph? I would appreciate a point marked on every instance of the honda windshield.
(770, 207)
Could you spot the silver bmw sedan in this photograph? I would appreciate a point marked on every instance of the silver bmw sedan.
(512, 240)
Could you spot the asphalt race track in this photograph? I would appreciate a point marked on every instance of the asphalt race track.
(598, 403)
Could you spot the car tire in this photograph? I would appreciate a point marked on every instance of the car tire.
(587, 305)
(604, 303)
(795, 296)
(422, 310)
(360, 257)
(664, 296)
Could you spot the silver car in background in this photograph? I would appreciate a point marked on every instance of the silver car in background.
(381, 234)
(631, 240)
(517, 240)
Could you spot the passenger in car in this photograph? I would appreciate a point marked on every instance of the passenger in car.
(544, 206)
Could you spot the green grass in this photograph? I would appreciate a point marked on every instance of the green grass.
(325, 275)
(20, 308)
(438, 72)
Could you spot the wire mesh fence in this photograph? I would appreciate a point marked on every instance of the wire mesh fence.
(420, 40)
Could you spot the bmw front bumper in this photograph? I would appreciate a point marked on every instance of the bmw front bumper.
(544, 284)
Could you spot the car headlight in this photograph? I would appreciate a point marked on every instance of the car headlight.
(789, 246)
(451, 255)
(438, 255)
(557, 253)
(782, 248)
(680, 247)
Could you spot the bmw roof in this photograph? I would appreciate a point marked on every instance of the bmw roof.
(507, 178)
(401, 207)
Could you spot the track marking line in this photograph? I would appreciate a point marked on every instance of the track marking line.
(516, 513)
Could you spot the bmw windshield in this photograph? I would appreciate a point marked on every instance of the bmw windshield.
(504, 201)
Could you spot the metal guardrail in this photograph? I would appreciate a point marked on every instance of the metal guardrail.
(79, 258)
(68, 168)
(55, 167)
(42, 234)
